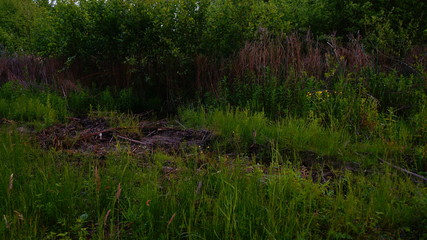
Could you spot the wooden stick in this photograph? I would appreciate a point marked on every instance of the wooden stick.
(399, 168)
(404, 170)
(131, 140)
(180, 124)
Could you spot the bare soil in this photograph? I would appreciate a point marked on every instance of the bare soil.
(95, 135)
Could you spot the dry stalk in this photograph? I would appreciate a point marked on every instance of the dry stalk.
(10, 183)
(171, 219)
(7, 223)
(106, 217)
(97, 179)
(119, 191)
(18, 215)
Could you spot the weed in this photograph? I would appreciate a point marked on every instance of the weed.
(21, 104)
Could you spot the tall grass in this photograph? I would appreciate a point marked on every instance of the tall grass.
(21, 103)
(292, 61)
(251, 182)
(195, 196)
(243, 131)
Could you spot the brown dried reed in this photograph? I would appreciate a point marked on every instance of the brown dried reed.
(288, 59)
(32, 70)
(10, 183)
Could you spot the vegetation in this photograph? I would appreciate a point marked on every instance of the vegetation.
(172, 50)
(294, 119)
(55, 195)
(226, 189)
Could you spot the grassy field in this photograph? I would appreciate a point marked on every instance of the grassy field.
(213, 119)
(257, 178)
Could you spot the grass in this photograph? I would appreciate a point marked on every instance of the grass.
(21, 103)
(200, 195)
(241, 129)
(128, 122)
(260, 177)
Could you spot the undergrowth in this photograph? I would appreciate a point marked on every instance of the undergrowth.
(55, 195)
(31, 105)
(315, 136)
(260, 177)
(243, 131)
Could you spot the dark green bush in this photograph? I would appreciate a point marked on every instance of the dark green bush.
(109, 99)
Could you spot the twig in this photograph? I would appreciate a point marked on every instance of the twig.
(130, 140)
(151, 133)
(144, 114)
(404, 170)
(199, 187)
(73, 118)
(398, 168)
(372, 97)
(405, 64)
(205, 135)
(180, 124)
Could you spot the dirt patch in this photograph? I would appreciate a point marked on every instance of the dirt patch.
(4, 121)
(324, 168)
(95, 135)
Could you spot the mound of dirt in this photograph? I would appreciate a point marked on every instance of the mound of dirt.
(95, 135)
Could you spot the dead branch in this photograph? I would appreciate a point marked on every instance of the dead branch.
(130, 140)
(403, 170)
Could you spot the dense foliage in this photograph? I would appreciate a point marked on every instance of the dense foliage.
(120, 29)
(135, 30)
(161, 44)
(291, 178)
(313, 113)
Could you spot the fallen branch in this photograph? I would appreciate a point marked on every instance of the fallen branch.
(151, 133)
(399, 168)
(144, 114)
(404, 170)
(180, 124)
(130, 140)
